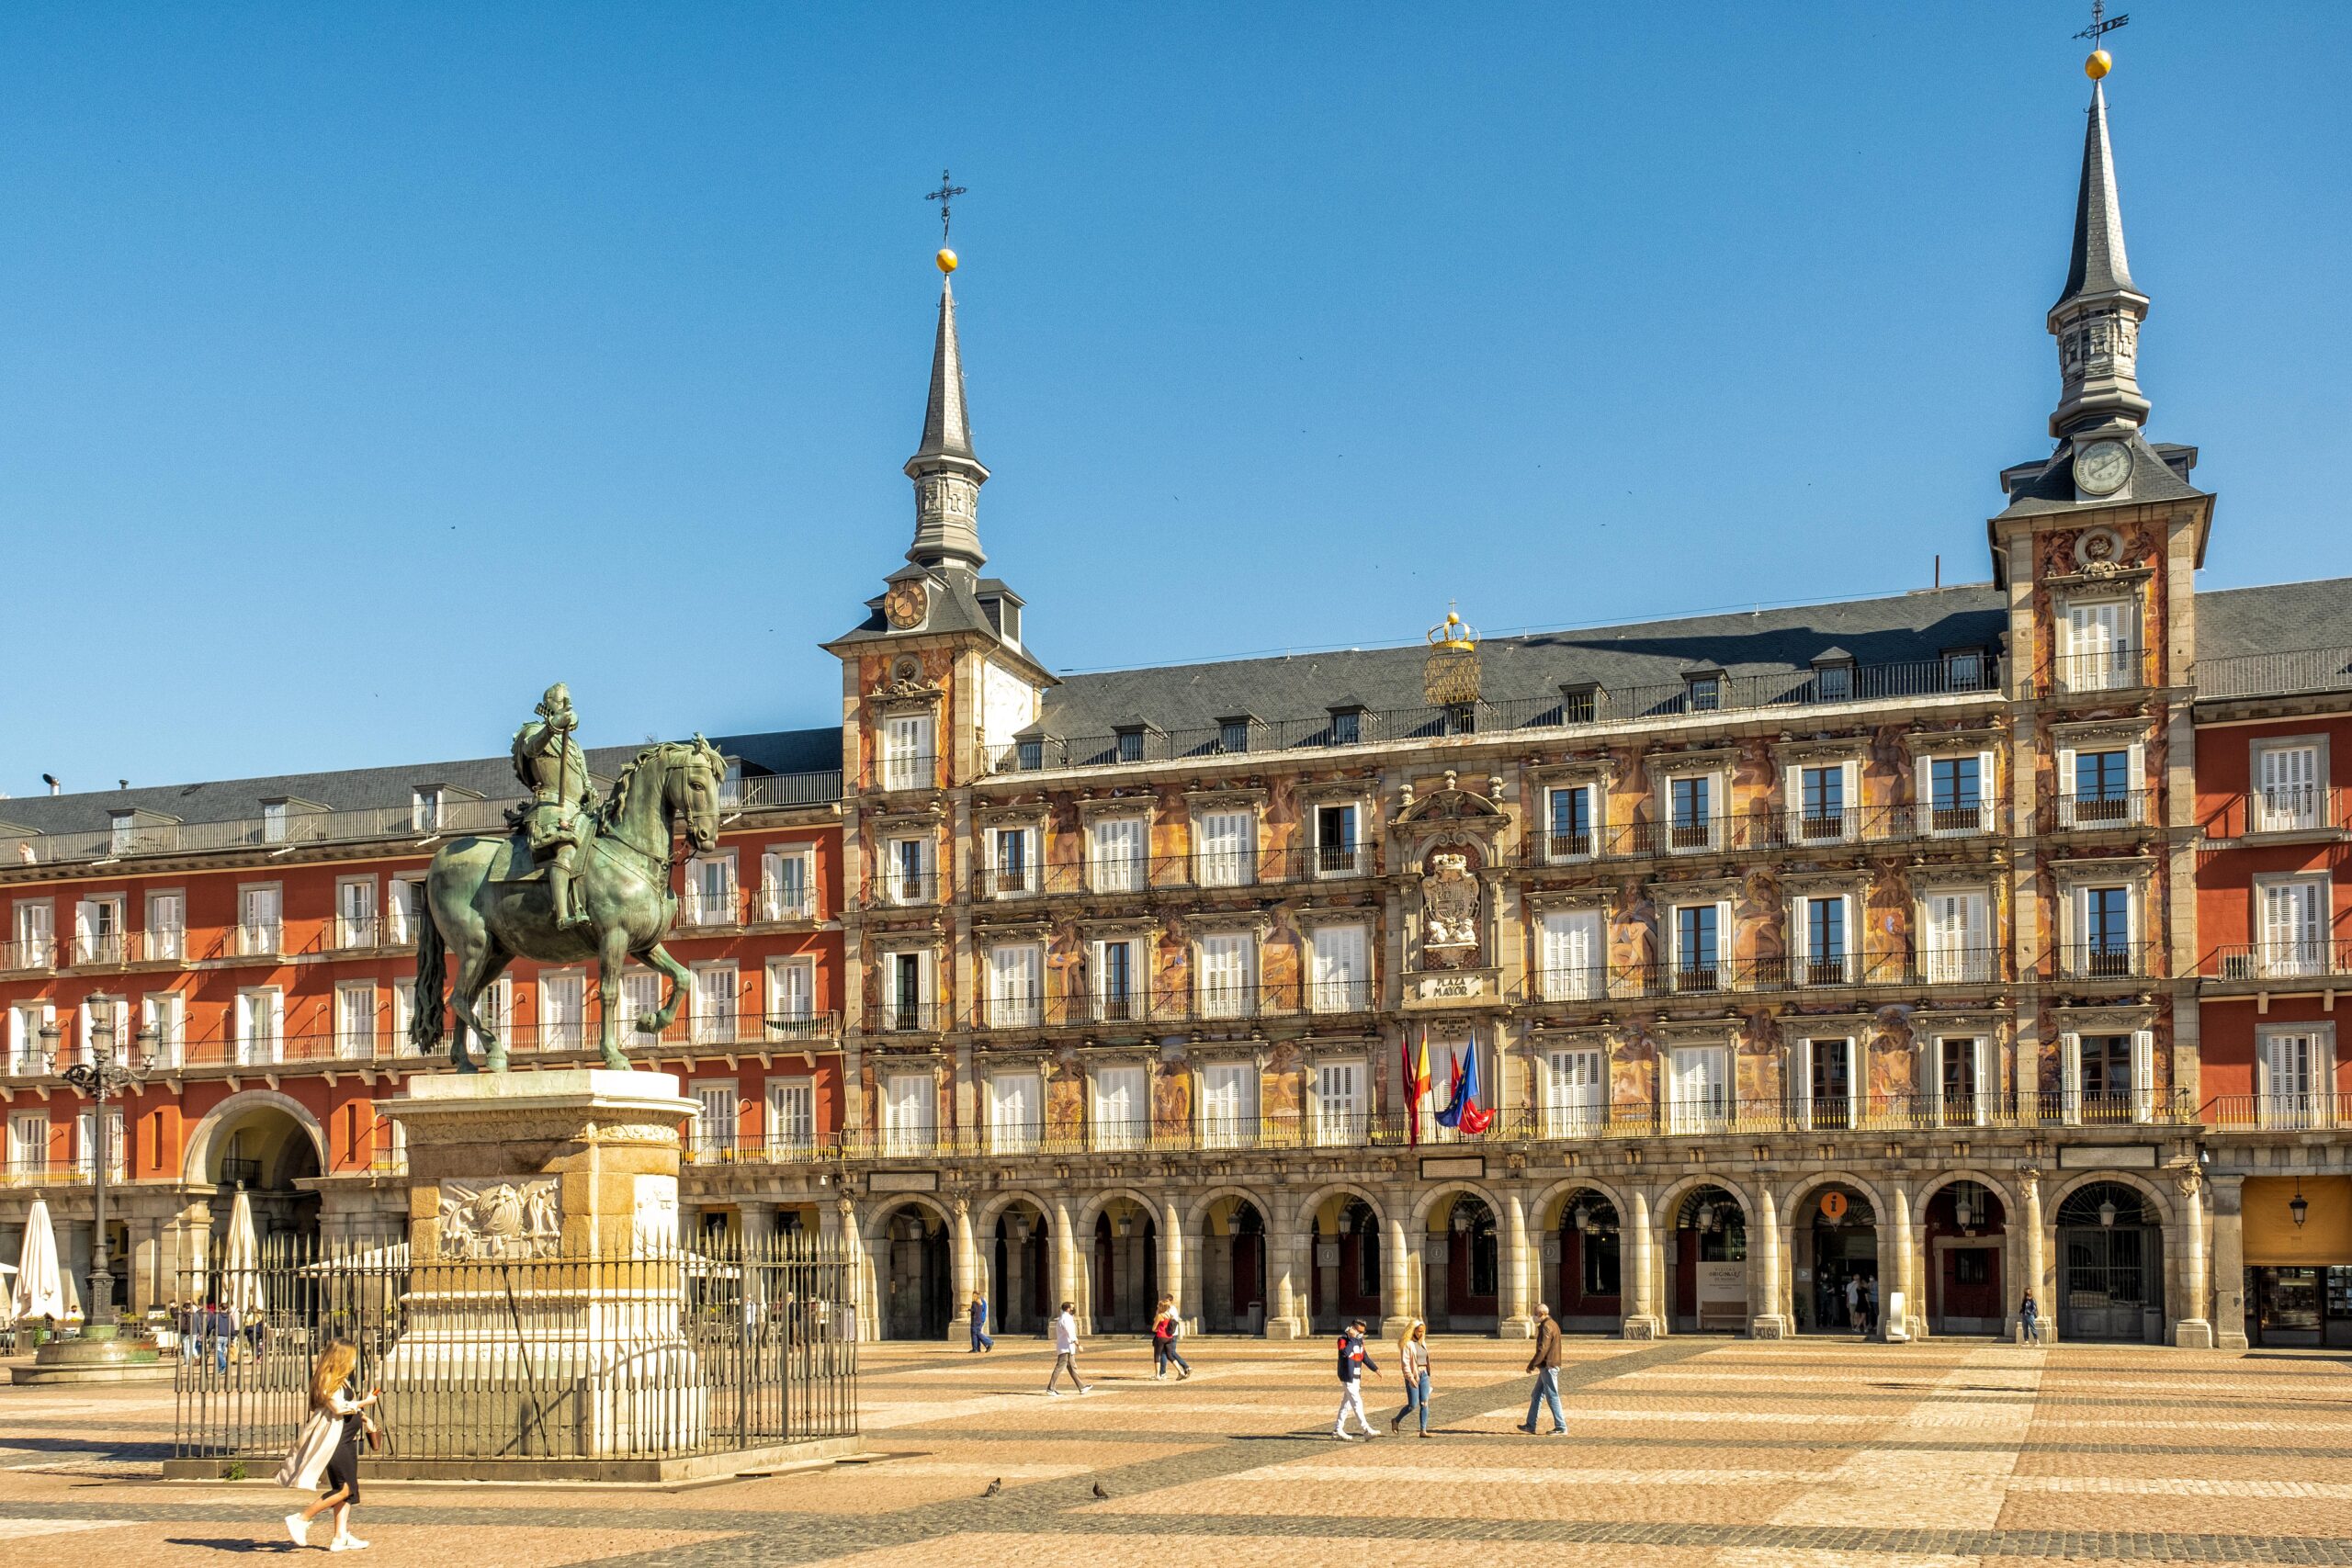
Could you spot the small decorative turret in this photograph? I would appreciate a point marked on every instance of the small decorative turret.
(1450, 675)
(947, 475)
(2096, 319)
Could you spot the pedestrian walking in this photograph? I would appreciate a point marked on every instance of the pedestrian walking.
(326, 1450)
(1545, 1365)
(221, 1327)
(1854, 1304)
(2029, 1318)
(187, 1318)
(1413, 1362)
(1354, 1360)
(982, 1341)
(1166, 1328)
(1869, 1306)
(1066, 1353)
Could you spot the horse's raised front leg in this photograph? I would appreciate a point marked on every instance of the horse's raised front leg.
(680, 978)
(611, 958)
(479, 970)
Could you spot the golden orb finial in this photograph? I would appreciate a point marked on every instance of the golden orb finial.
(947, 259)
(2098, 64)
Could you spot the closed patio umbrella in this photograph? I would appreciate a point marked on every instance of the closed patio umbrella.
(43, 1289)
(241, 1288)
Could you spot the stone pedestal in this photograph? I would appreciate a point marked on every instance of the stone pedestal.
(542, 1324)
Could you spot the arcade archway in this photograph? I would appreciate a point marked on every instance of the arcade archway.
(1232, 1268)
(1708, 1263)
(2110, 1265)
(1834, 1259)
(1587, 1289)
(915, 1274)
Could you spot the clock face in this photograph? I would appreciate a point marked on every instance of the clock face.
(905, 604)
(2101, 468)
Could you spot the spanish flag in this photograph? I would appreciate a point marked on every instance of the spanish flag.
(1417, 1087)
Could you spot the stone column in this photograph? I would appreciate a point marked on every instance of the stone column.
(1395, 1300)
(1065, 1257)
(2037, 1253)
(1178, 1273)
(2192, 1328)
(758, 1221)
(2229, 1262)
(1895, 1327)
(1642, 1321)
(1768, 1315)
(1284, 1248)
(964, 1263)
(1518, 1318)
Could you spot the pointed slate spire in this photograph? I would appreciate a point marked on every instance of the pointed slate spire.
(947, 475)
(2096, 319)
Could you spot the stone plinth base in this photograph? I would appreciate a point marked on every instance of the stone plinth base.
(1644, 1328)
(1281, 1328)
(685, 1470)
(1767, 1325)
(2193, 1334)
(94, 1360)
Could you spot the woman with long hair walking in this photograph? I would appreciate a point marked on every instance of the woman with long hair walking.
(327, 1449)
(1413, 1362)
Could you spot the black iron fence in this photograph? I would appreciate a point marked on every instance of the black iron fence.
(663, 1355)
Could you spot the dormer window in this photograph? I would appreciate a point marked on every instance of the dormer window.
(424, 806)
(1130, 739)
(1704, 690)
(122, 832)
(1578, 701)
(273, 821)
(1347, 725)
(1833, 676)
(1029, 755)
(1964, 669)
(1233, 735)
(1003, 608)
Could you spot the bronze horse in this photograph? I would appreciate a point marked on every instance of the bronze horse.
(483, 903)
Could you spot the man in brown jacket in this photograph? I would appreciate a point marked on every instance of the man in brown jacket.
(1545, 1365)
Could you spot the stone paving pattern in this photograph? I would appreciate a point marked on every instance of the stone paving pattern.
(1732, 1454)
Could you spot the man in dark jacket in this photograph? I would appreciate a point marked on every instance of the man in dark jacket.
(1354, 1362)
(1545, 1365)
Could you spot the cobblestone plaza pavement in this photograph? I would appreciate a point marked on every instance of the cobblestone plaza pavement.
(1689, 1452)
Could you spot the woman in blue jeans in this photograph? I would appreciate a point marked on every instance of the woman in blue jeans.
(1166, 1328)
(1413, 1358)
(981, 1339)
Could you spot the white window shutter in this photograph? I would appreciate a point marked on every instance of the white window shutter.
(1856, 1069)
(1805, 1083)
(2070, 1078)
(1851, 790)
(1980, 1066)
(1985, 793)
(2066, 786)
(82, 1037)
(2143, 1072)
(242, 1026)
(276, 1026)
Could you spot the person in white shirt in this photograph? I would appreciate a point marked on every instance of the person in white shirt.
(1066, 1353)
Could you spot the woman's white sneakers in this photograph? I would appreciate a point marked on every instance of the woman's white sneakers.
(296, 1530)
(346, 1543)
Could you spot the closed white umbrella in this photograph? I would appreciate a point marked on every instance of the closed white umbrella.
(43, 1289)
(241, 1289)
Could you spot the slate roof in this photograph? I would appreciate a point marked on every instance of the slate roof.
(2097, 264)
(1904, 629)
(354, 789)
(2159, 472)
(2280, 617)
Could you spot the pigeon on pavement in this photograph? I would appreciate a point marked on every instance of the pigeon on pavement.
(1098, 1490)
(994, 1487)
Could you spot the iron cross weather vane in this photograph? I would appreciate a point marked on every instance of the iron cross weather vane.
(2101, 23)
(949, 191)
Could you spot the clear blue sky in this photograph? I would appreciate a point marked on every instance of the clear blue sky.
(330, 329)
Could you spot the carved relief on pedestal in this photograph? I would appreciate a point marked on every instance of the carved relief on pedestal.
(500, 1220)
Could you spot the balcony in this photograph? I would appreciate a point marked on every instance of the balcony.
(2107, 670)
(1333, 862)
(783, 1027)
(2107, 811)
(907, 888)
(775, 906)
(711, 909)
(910, 1018)
(1015, 1010)
(354, 934)
(1758, 831)
(32, 955)
(1007, 882)
(2257, 964)
(268, 941)
(907, 771)
(1752, 976)
(2263, 813)
(2106, 961)
(2282, 1113)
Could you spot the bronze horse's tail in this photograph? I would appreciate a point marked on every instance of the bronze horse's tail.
(427, 1020)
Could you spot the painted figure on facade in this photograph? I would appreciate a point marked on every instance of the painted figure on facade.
(551, 765)
(574, 881)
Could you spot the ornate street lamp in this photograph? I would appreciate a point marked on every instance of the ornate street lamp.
(100, 1079)
(2299, 1206)
(2107, 1213)
(1582, 1217)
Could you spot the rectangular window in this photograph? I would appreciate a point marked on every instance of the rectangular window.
(354, 912)
(1017, 986)
(1963, 1078)
(1232, 736)
(1572, 956)
(1337, 851)
(1576, 1095)
(910, 1112)
(1029, 755)
(907, 1004)
(258, 1026)
(354, 1021)
(715, 1129)
(122, 832)
(1228, 1105)
(710, 890)
(792, 997)
(166, 1013)
(714, 1004)
(1227, 848)
(2294, 926)
(1578, 704)
(27, 1052)
(1955, 794)
(36, 934)
(98, 931)
(1347, 727)
(1830, 1084)
(907, 870)
(1341, 1104)
(2102, 788)
(166, 925)
(788, 885)
(1571, 822)
(1225, 987)
(1706, 693)
(2104, 1070)
(273, 821)
(640, 1000)
(425, 809)
(1119, 863)
(28, 1144)
(1825, 961)
(403, 896)
(1958, 938)
(1690, 819)
(1964, 670)
(1695, 929)
(1116, 996)
(1013, 869)
(1820, 802)
(792, 1114)
(1834, 682)
(1016, 1114)
(260, 929)
(907, 761)
(1130, 745)
(2100, 655)
(1699, 1092)
(2106, 938)
(85, 1146)
(2286, 788)
(563, 1012)
(1341, 961)
(102, 1019)
(2294, 1070)
(1122, 1114)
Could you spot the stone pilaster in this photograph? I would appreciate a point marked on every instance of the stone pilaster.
(2229, 1263)
(1642, 1320)
(2192, 1328)
(1517, 1318)
(1769, 1317)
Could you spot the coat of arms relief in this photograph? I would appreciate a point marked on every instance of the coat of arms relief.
(1449, 913)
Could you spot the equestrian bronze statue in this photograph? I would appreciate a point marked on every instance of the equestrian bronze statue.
(574, 881)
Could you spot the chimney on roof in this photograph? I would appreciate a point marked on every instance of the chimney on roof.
(122, 784)
(54, 787)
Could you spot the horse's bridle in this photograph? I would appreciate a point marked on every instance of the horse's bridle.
(660, 866)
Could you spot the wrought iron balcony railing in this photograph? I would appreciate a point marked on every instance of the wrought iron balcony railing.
(2107, 670)
(2091, 813)
(776, 905)
(2317, 958)
(1651, 981)
(2285, 1110)
(2105, 960)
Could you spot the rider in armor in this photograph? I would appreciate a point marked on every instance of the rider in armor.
(560, 821)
